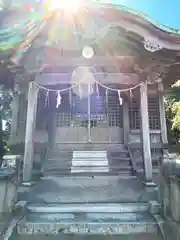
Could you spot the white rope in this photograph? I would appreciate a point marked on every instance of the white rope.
(117, 90)
(102, 85)
(55, 90)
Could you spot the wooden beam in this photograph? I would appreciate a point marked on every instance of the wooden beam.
(145, 133)
(29, 135)
(126, 121)
(65, 78)
(67, 61)
(162, 115)
(14, 124)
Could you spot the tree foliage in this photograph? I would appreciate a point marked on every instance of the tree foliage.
(6, 96)
(172, 105)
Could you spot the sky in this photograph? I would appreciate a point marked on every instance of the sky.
(165, 11)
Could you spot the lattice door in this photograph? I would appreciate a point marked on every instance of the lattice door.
(95, 118)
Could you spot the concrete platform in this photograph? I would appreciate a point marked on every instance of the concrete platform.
(87, 189)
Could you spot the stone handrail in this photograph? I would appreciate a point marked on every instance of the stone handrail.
(169, 193)
(9, 182)
(133, 160)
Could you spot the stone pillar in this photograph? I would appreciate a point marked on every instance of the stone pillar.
(29, 135)
(162, 115)
(14, 124)
(145, 133)
(126, 121)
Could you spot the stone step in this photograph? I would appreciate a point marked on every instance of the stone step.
(152, 207)
(97, 163)
(125, 224)
(92, 159)
(89, 154)
(57, 152)
(92, 146)
(82, 162)
(82, 169)
(90, 169)
(118, 154)
(64, 164)
(62, 159)
(125, 161)
(60, 173)
(70, 153)
(60, 154)
(89, 208)
(119, 168)
(85, 216)
(143, 236)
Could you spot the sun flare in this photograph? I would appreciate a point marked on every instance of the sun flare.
(68, 5)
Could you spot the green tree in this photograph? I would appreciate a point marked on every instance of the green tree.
(6, 96)
(172, 105)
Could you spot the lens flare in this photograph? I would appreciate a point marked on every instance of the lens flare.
(67, 5)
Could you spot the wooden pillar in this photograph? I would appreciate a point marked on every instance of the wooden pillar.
(126, 121)
(52, 122)
(145, 133)
(29, 135)
(162, 115)
(14, 123)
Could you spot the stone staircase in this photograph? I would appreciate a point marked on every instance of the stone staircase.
(92, 194)
(128, 220)
(114, 205)
(89, 161)
(98, 162)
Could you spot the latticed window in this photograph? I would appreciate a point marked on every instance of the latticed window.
(134, 114)
(103, 109)
(153, 109)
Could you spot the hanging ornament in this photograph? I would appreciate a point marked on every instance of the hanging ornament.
(106, 96)
(80, 91)
(89, 89)
(70, 97)
(58, 99)
(47, 99)
(130, 93)
(119, 96)
(97, 90)
(87, 52)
